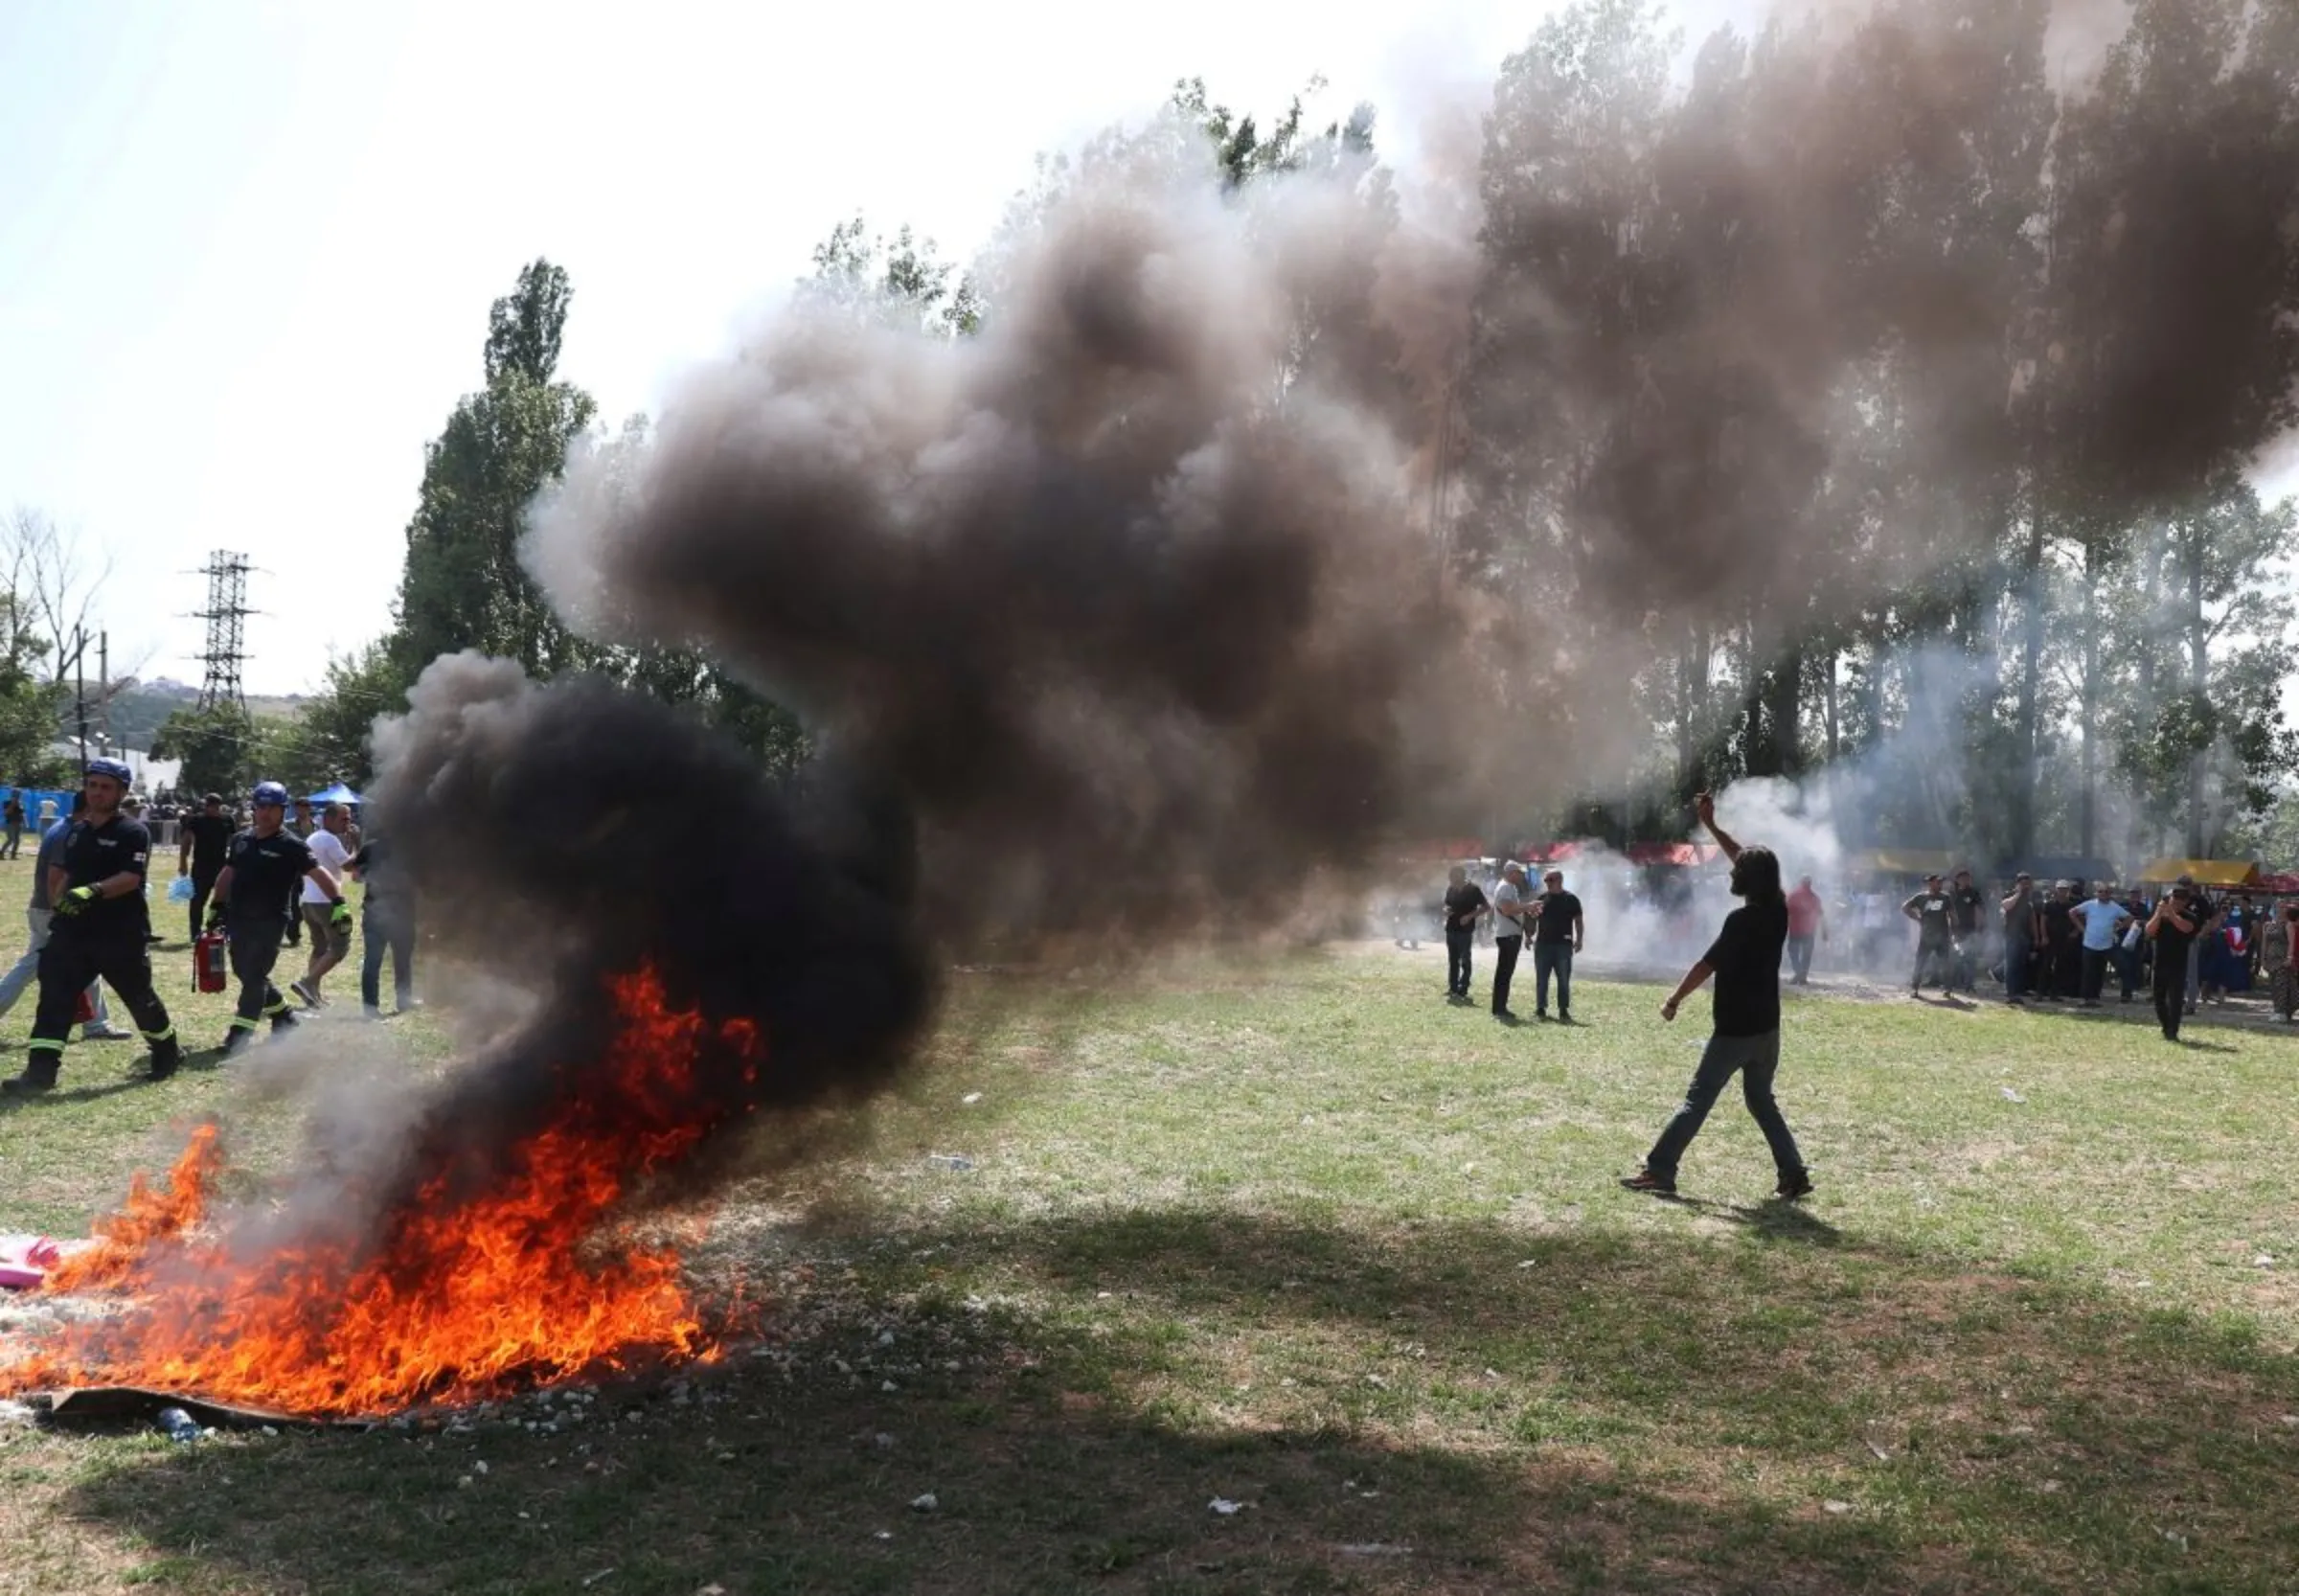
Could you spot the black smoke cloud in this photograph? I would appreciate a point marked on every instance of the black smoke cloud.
(1123, 619)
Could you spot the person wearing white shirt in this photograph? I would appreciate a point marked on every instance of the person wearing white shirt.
(2103, 920)
(330, 934)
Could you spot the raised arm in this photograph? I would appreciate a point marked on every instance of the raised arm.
(1705, 807)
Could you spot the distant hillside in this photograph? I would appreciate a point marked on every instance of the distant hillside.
(137, 713)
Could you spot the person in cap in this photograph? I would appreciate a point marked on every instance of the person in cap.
(1931, 909)
(2173, 928)
(1510, 909)
(254, 895)
(1559, 934)
(1965, 906)
(2023, 928)
(1745, 961)
(98, 928)
(1464, 906)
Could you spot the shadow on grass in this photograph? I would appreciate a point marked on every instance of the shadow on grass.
(1737, 1411)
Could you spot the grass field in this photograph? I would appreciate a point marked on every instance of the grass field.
(1304, 1238)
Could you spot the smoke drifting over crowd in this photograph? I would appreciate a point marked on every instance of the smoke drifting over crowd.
(1124, 616)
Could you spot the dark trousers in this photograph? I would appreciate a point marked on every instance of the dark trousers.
(2019, 953)
(14, 844)
(1458, 946)
(1756, 1059)
(255, 947)
(384, 927)
(1505, 950)
(2063, 971)
(1934, 955)
(2170, 994)
(203, 887)
(121, 959)
(1800, 959)
(1553, 958)
(2097, 963)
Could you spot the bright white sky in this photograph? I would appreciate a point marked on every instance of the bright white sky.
(247, 247)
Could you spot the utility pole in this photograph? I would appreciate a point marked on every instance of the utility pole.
(103, 690)
(79, 688)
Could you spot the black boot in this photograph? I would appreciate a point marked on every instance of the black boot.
(40, 1075)
(282, 1022)
(166, 1058)
(235, 1041)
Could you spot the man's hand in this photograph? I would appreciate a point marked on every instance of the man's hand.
(76, 900)
(217, 915)
(1705, 809)
(1667, 1010)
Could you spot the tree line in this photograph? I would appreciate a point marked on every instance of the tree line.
(2088, 652)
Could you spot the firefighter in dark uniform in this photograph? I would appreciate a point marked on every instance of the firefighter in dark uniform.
(254, 897)
(98, 930)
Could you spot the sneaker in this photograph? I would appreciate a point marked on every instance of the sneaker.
(1540, 1014)
(368, 1010)
(1564, 1016)
(1506, 1017)
(1645, 1181)
(303, 990)
(1793, 1187)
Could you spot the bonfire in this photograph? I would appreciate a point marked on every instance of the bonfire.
(457, 1298)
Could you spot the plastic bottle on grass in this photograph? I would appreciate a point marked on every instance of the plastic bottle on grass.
(179, 1424)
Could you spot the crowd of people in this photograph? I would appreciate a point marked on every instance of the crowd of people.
(258, 883)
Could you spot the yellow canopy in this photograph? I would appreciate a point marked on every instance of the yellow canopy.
(2207, 872)
(1899, 861)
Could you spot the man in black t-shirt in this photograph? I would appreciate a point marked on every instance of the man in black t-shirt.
(2172, 929)
(205, 836)
(97, 929)
(264, 872)
(1745, 961)
(1464, 906)
(1557, 936)
(1935, 944)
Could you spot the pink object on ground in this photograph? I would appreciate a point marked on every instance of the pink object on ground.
(26, 1260)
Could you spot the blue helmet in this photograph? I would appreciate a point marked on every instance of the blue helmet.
(270, 794)
(117, 770)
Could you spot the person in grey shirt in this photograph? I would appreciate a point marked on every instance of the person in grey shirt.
(37, 915)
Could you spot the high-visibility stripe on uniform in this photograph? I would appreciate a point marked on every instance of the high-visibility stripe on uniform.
(168, 1034)
(239, 1024)
(43, 1045)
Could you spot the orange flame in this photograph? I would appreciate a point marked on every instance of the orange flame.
(463, 1300)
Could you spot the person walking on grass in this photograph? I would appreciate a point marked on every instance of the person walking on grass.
(330, 932)
(2172, 929)
(98, 928)
(12, 813)
(1558, 935)
(1464, 906)
(1510, 909)
(1808, 922)
(1745, 961)
(50, 855)
(254, 898)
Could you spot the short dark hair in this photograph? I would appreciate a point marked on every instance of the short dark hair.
(1756, 875)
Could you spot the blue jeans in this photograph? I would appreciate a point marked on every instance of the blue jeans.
(1553, 958)
(1756, 1059)
(384, 927)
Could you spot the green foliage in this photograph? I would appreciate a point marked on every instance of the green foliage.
(218, 748)
(463, 586)
(903, 282)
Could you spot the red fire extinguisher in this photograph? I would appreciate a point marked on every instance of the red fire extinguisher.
(211, 965)
(83, 1009)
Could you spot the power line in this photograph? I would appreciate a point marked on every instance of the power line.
(226, 616)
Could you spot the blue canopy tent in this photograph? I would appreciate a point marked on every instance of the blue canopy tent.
(337, 794)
